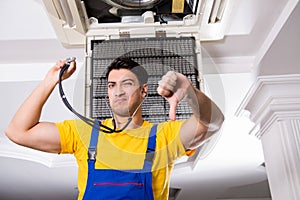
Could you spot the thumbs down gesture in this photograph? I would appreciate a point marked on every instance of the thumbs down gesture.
(174, 87)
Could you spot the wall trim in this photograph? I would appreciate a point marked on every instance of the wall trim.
(271, 98)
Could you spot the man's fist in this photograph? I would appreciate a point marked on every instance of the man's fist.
(173, 87)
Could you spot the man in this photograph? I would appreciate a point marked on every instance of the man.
(135, 163)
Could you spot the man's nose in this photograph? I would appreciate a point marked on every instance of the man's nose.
(118, 91)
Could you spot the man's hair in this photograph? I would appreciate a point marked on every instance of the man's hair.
(127, 63)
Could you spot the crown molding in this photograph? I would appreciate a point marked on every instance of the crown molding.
(271, 98)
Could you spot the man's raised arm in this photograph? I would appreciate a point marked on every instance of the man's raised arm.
(25, 127)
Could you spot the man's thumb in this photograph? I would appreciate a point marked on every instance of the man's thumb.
(172, 111)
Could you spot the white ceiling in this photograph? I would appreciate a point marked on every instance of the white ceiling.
(28, 47)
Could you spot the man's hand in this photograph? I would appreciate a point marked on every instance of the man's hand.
(53, 73)
(173, 87)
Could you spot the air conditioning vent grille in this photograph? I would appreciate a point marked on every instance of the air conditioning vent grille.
(157, 55)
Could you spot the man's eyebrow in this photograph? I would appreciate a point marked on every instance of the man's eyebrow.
(127, 79)
(108, 82)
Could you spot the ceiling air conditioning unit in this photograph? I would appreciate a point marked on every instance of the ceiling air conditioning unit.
(161, 35)
(75, 20)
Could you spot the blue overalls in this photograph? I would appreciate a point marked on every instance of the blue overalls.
(107, 184)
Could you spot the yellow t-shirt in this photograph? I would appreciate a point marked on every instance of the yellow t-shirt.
(125, 150)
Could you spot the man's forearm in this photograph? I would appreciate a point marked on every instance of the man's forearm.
(204, 109)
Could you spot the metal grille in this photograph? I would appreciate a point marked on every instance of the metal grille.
(157, 56)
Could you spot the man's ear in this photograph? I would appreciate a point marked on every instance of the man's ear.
(144, 90)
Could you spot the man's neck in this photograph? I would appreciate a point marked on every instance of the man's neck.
(136, 122)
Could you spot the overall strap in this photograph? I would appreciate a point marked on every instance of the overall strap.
(150, 149)
(93, 141)
(152, 139)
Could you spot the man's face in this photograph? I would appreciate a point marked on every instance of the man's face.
(124, 92)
